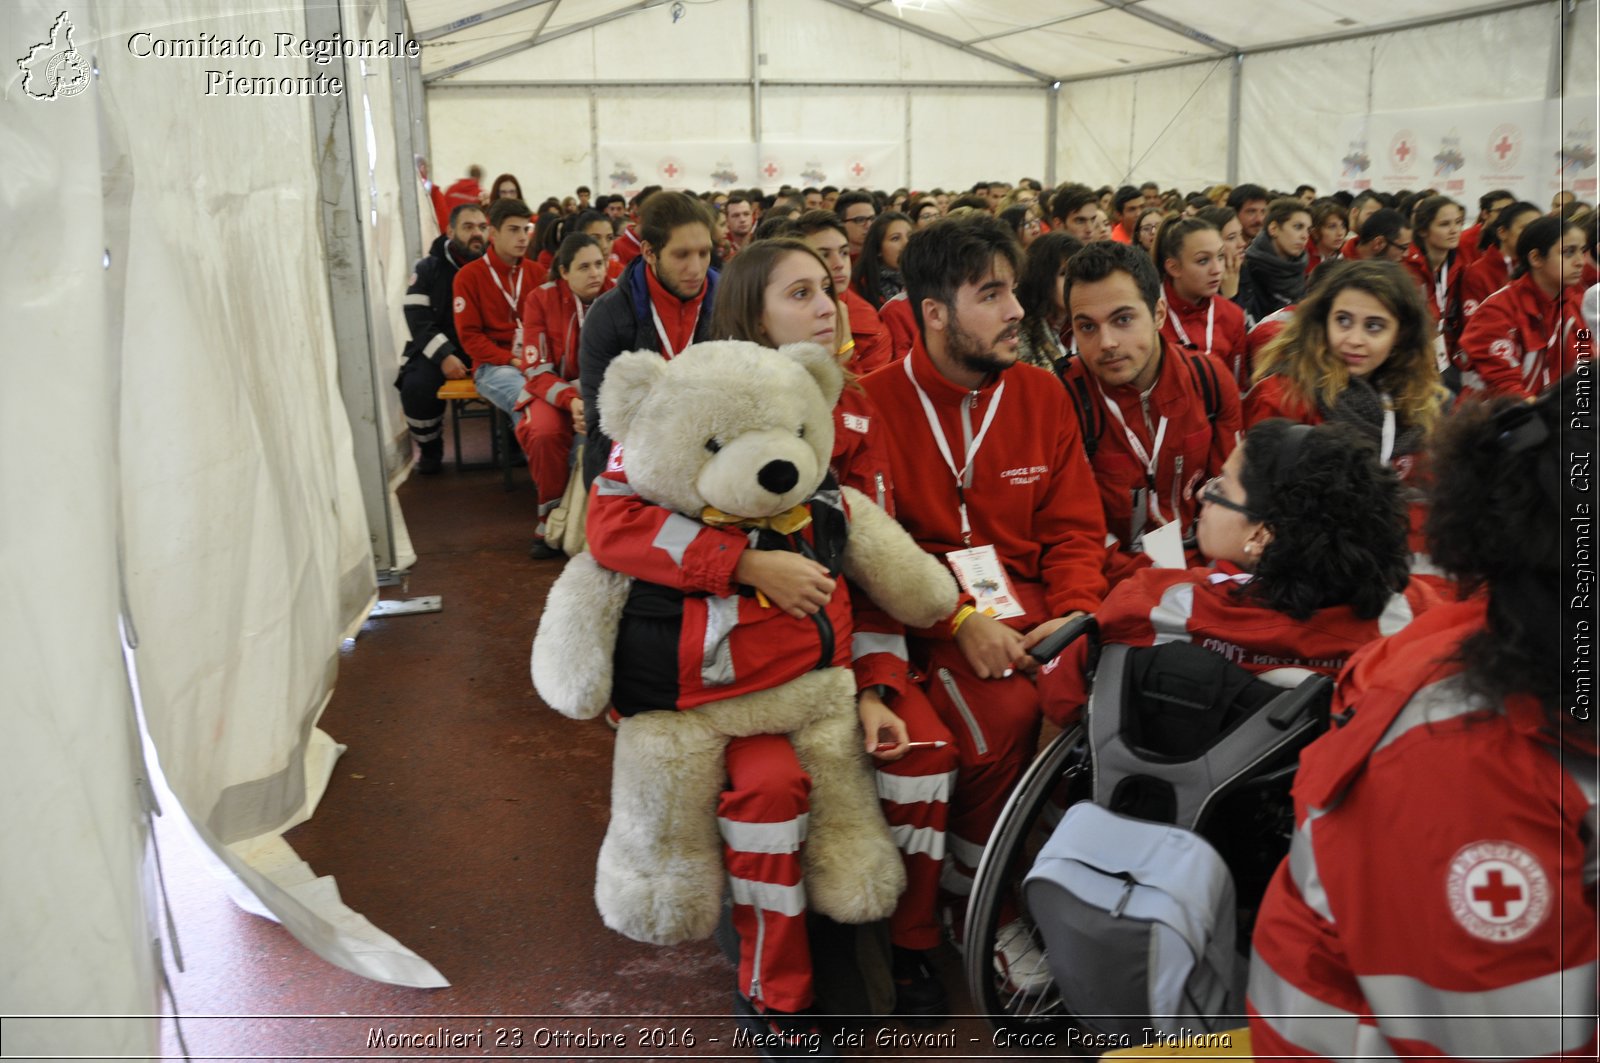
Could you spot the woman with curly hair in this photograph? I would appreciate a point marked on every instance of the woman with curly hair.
(876, 277)
(1359, 352)
(1439, 898)
(1306, 537)
(1041, 291)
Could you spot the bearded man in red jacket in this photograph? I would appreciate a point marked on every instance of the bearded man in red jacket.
(990, 476)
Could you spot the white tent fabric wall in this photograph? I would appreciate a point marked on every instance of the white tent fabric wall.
(1167, 126)
(247, 556)
(74, 927)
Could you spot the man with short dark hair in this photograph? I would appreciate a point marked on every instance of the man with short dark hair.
(1362, 207)
(584, 193)
(830, 196)
(488, 305)
(1385, 234)
(627, 245)
(989, 476)
(1126, 206)
(1306, 194)
(1074, 209)
(434, 354)
(662, 302)
(856, 209)
(741, 222)
(1151, 193)
(1250, 203)
(1490, 204)
(614, 207)
(1158, 421)
(812, 198)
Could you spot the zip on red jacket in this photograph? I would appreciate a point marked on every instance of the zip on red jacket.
(1212, 608)
(685, 648)
(1213, 326)
(486, 311)
(1171, 425)
(872, 344)
(1488, 273)
(900, 324)
(1521, 340)
(552, 318)
(1029, 491)
(1439, 895)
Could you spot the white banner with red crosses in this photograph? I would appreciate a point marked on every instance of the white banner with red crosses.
(626, 167)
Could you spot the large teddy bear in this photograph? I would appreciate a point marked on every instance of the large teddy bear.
(737, 428)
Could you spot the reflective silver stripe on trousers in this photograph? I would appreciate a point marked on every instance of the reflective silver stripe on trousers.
(966, 852)
(1303, 868)
(953, 879)
(965, 710)
(865, 642)
(675, 536)
(434, 344)
(915, 789)
(1316, 1027)
(784, 836)
(768, 896)
(1434, 703)
(418, 300)
(1171, 614)
(716, 655)
(1396, 615)
(928, 841)
(1540, 1017)
(546, 507)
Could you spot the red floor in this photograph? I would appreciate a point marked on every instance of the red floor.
(464, 820)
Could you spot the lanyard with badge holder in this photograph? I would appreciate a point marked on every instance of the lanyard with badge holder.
(514, 297)
(1441, 293)
(978, 568)
(1144, 498)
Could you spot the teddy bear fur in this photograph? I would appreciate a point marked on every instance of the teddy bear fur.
(660, 875)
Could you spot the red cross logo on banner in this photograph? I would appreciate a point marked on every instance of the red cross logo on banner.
(1503, 148)
(670, 170)
(771, 168)
(1403, 150)
(858, 169)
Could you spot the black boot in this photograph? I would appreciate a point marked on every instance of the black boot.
(919, 996)
(430, 458)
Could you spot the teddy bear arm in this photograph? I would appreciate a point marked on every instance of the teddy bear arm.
(906, 581)
(572, 650)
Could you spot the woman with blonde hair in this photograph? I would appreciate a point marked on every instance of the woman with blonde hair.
(1359, 351)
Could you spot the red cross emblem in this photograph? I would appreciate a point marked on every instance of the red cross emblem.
(1403, 150)
(1497, 891)
(858, 169)
(670, 170)
(1497, 894)
(770, 170)
(1503, 148)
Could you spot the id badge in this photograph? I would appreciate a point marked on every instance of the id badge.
(516, 347)
(1440, 357)
(983, 576)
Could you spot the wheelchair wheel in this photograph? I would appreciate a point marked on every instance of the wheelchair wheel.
(1059, 777)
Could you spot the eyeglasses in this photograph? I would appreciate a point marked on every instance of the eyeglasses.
(860, 219)
(1212, 493)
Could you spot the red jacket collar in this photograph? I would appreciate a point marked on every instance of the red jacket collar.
(938, 388)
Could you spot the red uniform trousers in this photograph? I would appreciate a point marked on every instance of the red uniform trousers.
(915, 793)
(545, 435)
(762, 817)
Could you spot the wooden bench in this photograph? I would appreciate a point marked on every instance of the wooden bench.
(464, 401)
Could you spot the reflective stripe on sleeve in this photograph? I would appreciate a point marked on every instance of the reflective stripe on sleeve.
(784, 836)
(1311, 1025)
(785, 900)
(863, 643)
(439, 340)
(716, 655)
(1172, 613)
(1540, 1017)
(915, 789)
(418, 300)
(675, 536)
(1303, 868)
(605, 485)
(1434, 703)
(550, 396)
(1396, 615)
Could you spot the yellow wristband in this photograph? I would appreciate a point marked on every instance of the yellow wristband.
(849, 345)
(960, 618)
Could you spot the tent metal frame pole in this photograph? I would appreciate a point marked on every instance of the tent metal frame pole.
(405, 148)
(334, 123)
(1560, 51)
(1235, 95)
(948, 42)
(594, 137)
(755, 81)
(1052, 118)
(724, 83)
(477, 19)
(907, 135)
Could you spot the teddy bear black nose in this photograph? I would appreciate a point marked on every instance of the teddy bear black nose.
(778, 476)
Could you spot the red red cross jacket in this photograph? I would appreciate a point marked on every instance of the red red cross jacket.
(900, 324)
(1213, 326)
(1521, 340)
(550, 328)
(872, 343)
(1028, 491)
(626, 247)
(1212, 608)
(486, 313)
(1191, 449)
(1469, 251)
(1262, 333)
(1447, 310)
(1488, 273)
(1439, 894)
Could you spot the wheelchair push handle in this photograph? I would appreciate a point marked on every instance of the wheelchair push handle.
(1064, 636)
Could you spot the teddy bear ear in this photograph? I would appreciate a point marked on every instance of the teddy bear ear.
(821, 364)
(627, 383)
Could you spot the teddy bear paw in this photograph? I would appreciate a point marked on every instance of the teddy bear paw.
(856, 880)
(660, 908)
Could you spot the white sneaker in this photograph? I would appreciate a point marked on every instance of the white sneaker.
(1020, 959)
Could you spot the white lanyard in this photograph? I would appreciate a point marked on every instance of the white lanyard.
(1388, 430)
(1183, 335)
(1148, 458)
(944, 444)
(1441, 290)
(514, 297)
(661, 331)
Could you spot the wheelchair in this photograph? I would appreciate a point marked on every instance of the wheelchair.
(1166, 700)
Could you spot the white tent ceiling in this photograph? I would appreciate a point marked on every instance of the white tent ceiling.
(1041, 40)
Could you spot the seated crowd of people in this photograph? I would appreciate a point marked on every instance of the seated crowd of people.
(1298, 430)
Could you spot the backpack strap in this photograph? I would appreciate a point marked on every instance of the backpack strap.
(1089, 423)
(1205, 378)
